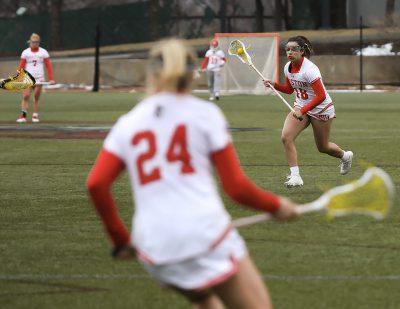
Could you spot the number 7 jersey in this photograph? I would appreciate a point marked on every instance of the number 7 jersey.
(35, 62)
(301, 83)
(166, 142)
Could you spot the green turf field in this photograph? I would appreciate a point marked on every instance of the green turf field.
(53, 253)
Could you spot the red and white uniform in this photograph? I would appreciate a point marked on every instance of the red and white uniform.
(214, 60)
(311, 96)
(34, 60)
(167, 160)
(169, 144)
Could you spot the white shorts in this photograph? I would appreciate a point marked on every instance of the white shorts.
(321, 113)
(39, 78)
(206, 270)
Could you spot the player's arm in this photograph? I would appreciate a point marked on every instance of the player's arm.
(242, 190)
(319, 97)
(22, 64)
(204, 63)
(285, 88)
(49, 69)
(223, 61)
(103, 174)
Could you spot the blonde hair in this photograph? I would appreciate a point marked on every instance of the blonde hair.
(34, 37)
(171, 67)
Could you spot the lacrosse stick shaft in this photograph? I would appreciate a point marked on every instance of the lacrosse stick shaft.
(250, 220)
(43, 83)
(273, 89)
(281, 97)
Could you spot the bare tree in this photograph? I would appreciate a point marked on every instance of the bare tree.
(278, 15)
(286, 16)
(222, 14)
(42, 6)
(259, 16)
(389, 21)
(55, 11)
(154, 8)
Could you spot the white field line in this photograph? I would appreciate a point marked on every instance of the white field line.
(96, 128)
(133, 277)
(355, 130)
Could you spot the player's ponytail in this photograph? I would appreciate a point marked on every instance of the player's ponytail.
(305, 45)
(171, 67)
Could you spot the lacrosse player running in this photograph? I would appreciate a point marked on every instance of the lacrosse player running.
(213, 62)
(312, 103)
(32, 59)
(182, 234)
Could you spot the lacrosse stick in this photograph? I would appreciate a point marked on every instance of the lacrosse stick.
(22, 80)
(44, 83)
(237, 48)
(372, 194)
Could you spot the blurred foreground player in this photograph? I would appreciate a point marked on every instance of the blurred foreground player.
(33, 59)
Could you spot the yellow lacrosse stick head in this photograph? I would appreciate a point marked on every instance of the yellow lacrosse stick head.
(22, 80)
(371, 195)
(237, 48)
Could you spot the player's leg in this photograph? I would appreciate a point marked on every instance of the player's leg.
(245, 289)
(321, 135)
(202, 299)
(291, 129)
(37, 93)
(210, 80)
(217, 84)
(26, 93)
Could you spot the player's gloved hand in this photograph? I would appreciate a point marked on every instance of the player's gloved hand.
(127, 252)
(52, 82)
(297, 114)
(267, 83)
(287, 210)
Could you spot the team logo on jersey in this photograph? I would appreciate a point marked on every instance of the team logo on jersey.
(158, 112)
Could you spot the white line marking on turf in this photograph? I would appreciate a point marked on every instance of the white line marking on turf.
(10, 277)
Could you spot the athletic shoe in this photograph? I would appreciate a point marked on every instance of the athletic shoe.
(217, 98)
(345, 165)
(21, 119)
(35, 118)
(294, 181)
(211, 98)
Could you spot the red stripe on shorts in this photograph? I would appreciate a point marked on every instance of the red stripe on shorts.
(221, 238)
(326, 107)
(221, 278)
(144, 257)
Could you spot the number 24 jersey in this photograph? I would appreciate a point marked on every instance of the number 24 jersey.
(166, 142)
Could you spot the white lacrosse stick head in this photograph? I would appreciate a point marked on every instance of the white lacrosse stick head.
(237, 48)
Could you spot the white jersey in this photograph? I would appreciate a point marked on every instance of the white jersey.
(165, 143)
(301, 83)
(35, 62)
(215, 59)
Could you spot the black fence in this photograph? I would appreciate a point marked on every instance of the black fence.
(130, 23)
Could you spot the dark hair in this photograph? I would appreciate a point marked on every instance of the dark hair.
(304, 43)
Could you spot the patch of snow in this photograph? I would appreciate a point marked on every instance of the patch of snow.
(375, 50)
